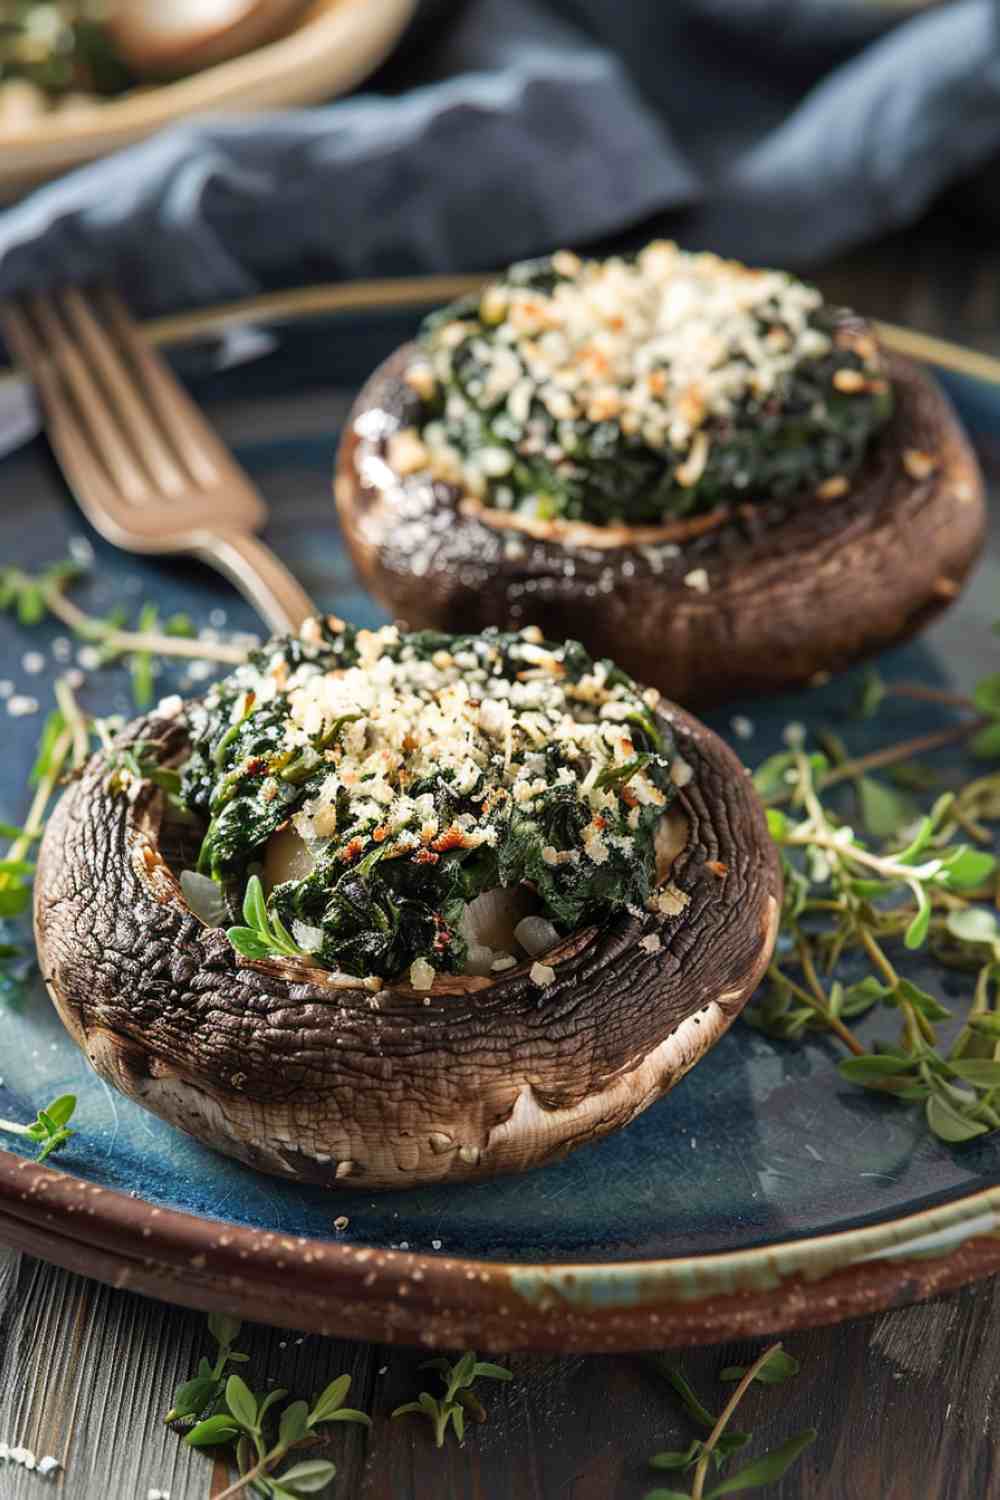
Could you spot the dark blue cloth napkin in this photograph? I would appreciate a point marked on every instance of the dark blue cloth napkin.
(777, 130)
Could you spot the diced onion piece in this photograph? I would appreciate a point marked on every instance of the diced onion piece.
(309, 939)
(287, 857)
(204, 897)
(491, 919)
(536, 935)
(421, 974)
(671, 837)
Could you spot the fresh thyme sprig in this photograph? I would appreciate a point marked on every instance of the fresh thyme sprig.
(917, 887)
(69, 733)
(64, 746)
(458, 1399)
(31, 596)
(49, 1127)
(771, 1367)
(204, 1392)
(226, 1413)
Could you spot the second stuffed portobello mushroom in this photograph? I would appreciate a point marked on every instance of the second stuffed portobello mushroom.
(384, 909)
(705, 471)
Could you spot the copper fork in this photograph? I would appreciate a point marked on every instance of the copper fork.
(146, 469)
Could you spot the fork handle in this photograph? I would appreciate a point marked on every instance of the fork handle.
(260, 577)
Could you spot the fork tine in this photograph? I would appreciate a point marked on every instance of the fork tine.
(28, 351)
(147, 440)
(87, 479)
(66, 357)
(204, 455)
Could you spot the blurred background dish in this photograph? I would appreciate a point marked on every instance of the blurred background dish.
(74, 86)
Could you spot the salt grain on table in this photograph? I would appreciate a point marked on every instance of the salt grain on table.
(21, 705)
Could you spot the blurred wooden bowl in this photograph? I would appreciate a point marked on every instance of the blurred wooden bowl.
(168, 38)
(333, 46)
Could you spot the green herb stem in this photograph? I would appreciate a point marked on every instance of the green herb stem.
(822, 838)
(819, 1002)
(778, 976)
(120, 641)
(918, 1029)
(263, 1466)
(73, 744)
(892, 755)
(701, 1469)
(921, 693)
(76, 722)
(35, 820)
(889, 755)
(980, 1006)
(878, 957)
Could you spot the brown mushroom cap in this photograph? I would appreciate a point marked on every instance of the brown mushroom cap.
(774, 594)
(297, 1072)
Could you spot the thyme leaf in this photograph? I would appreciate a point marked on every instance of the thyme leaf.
(913, 883)
(265, 934)
(450, 1408)
(770, 1368)
(50, 1127)
(34, 596)
(221, 1410)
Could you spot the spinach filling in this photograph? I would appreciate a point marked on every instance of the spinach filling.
(538, 403)
(418, 772)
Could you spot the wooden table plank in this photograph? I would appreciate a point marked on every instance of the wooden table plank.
(905, 1402)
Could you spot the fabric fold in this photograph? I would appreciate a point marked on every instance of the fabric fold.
(776, 130)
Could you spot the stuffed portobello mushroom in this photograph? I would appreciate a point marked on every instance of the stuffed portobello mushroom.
(384, 909)
(704, 470)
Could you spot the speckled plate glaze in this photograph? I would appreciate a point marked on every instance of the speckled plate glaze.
(762, 1193)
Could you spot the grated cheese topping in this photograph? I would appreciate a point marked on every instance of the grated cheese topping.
(483, 719)
(657, 344)
(389, 780)
(563, 365)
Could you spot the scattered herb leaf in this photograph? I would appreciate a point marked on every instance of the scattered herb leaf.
(770, 1368)
(50, 1127)
(911, 885)
(221, 1410)
(451, 1407)
(265, 934)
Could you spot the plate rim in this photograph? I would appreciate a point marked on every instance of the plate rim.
(357, 1291)
(335, 1287)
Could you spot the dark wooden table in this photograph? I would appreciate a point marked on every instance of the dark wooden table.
(906, 1402)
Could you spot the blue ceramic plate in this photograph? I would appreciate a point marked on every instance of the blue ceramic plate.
(762, 1191)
